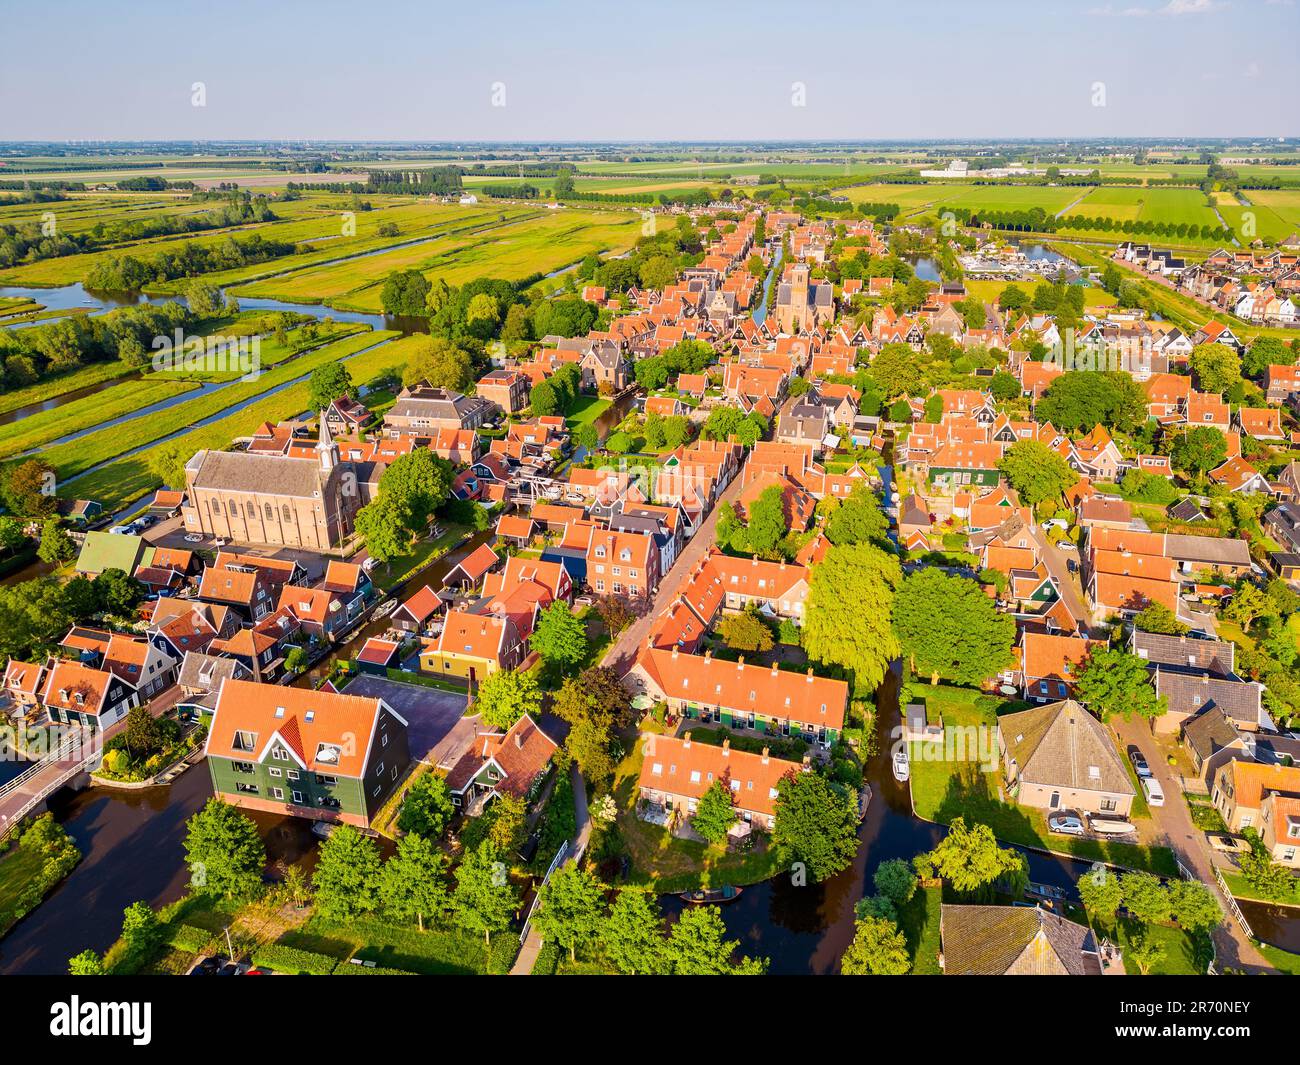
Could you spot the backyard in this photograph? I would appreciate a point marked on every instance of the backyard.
(947, 787)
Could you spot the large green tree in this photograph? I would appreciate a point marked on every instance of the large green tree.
(413, 883)
(1036, 471)
(715, 813)
(858, 519)
(484, 899)
(949, 628)
(816, 824)
(632, 935)
(849, 616)
(698, 946)
(560, 637)
(1112, 681)
(427, 809)
(224, 851)
(347, 875)
(972, 863)
(506, 695)
(571, 909)
(1216, 367)
(878, 949)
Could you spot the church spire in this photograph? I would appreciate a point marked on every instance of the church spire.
(325, 446)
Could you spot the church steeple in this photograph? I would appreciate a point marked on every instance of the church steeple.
(326, 449)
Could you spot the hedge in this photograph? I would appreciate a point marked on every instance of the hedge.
(346, 968)
(291, 960)
(188, 937)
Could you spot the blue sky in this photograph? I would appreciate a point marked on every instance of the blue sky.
(572, 70)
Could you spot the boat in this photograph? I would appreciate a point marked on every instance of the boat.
(864, 800)
(728, 893)
(323, 829)
(1110, 826)
(900, 765)
(384, 609)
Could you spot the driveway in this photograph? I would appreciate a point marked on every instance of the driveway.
(1174, 829)
(437, 730)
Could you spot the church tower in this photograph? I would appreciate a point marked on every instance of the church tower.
(326, 449)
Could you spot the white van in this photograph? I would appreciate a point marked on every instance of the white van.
(1155, 797)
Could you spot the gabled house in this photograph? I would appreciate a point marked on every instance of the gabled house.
(1059, 756)
(1020, 941)
(313, 754)
(512, 763)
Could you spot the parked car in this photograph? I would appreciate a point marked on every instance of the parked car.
(1155, 794)
(121, 530)
(194, 538)
(1139, 761)
(1066, 823)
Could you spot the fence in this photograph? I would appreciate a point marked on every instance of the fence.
(556, 862)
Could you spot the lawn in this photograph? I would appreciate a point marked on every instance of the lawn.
(667, 863)
(1242, 889)
(918, 920)
(945, 788)
(18, 869)
(585, 411)
(433, 953)
(1282, 960)
(393, 573)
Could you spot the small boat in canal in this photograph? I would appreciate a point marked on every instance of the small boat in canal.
(729, 893)
(902, 770)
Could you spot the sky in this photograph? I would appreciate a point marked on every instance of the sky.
(554, 70)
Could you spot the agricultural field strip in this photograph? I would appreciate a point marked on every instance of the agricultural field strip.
(337, 275)
(84, 377)
(120, 482)
(335, 251)
(314, 222)
(537, 244)
(77, 456)
(113, 402)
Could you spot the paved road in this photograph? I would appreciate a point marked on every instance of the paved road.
(622, 653)
(43, 780)
(1174, 829)
(1057, 563)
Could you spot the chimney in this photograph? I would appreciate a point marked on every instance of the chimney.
(740, 663)
(686, 739)
(708, 655)
(519, 740)
(726, 748)
(810, 675)
(674, 652)
(765, 755)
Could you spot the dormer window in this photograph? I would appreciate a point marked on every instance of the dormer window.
(245, 741)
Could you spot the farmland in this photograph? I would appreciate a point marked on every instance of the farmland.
(534, 244)
(76, 456)
(119, 482)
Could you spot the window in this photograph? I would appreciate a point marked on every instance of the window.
(287, 514)
(280, 754)
(243, 767)
(326, 781)
(384, 740)
(270, 512)
(297, 797)
(292, 774)
(379, 770)
(246, 789)
(275, 771)
(277, 793)
(245, 741)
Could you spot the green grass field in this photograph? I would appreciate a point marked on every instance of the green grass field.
(76, 456)
(538, 243)
(114, 402)
(94, 374)
(119, 482)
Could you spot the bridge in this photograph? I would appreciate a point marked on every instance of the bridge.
(78, 753)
